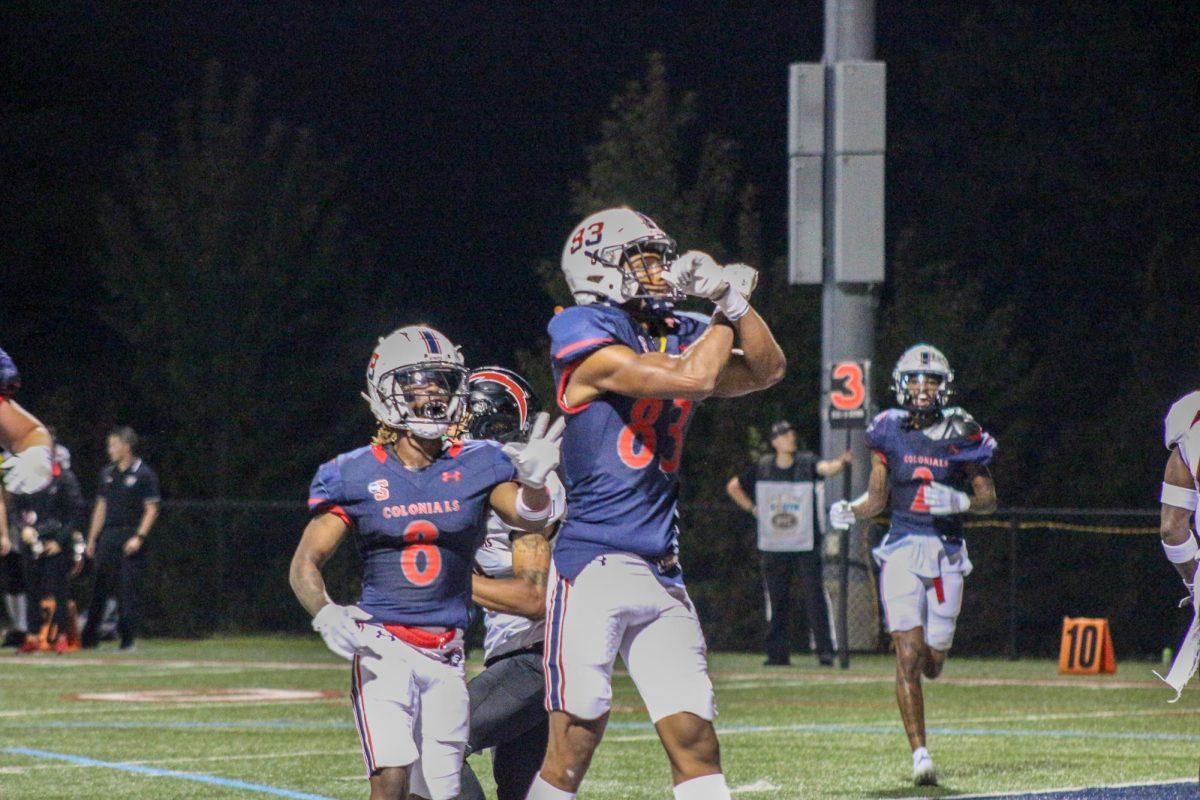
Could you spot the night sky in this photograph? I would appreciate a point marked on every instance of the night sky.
(1040, 155)
(463, 126)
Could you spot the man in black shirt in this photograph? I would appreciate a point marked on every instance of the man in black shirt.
(126, 508)
(782, 493)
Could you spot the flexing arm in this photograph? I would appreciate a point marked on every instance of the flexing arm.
(524, 594)
(1175, 522)
(616, 368)
(321, 538)
(760, 364)
(877, 491)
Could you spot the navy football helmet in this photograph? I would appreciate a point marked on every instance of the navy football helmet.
(10, 379)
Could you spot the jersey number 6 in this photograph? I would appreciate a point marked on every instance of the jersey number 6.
(638, 442)
(421, 561)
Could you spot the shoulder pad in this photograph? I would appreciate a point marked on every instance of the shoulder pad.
(579, 330)
(1180, 419)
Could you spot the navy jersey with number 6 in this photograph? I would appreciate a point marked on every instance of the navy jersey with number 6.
(417, 530)
(620, 455)
(917, 457)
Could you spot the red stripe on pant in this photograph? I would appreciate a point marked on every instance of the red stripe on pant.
(562, 635)
(939, 589)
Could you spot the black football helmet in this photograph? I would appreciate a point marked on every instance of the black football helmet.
(500, 405)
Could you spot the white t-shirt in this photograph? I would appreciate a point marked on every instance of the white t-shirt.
(504, 633)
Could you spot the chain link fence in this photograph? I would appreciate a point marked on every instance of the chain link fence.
(218, 567)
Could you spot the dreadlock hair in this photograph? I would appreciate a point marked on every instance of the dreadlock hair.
(385, 436)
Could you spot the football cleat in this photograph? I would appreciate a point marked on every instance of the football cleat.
(924, 773)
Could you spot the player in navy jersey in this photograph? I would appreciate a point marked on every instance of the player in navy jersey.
(28, 465)
(511, 567)
(629, 370)
(417, 503)
(929, 467)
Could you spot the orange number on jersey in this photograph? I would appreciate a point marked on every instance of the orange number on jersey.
(638, 443)
(851, 394)
(675, 431)
(638, 439)
(417, 537)
(925, 476)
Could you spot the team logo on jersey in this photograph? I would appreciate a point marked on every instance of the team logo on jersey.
(379, 490)
(452, 475)
(130, 480)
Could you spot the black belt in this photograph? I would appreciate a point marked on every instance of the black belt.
(533, 649)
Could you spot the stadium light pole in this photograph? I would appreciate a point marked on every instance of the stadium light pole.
(836, 138)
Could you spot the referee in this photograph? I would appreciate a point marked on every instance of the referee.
(126, 508)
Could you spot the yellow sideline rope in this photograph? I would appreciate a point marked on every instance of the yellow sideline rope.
(1066, 526)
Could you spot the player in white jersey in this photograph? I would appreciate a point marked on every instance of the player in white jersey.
(1181, 435)
(507, 713)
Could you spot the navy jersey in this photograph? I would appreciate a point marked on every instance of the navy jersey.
(10, 379)
(417, 530)
(620, 455)
(916, 457)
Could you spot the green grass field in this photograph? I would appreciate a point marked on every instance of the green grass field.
(797, 732)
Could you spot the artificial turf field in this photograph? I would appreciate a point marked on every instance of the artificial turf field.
(798, 732)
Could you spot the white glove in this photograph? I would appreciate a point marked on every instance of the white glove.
(696, 273)
(944, 500)
(841, 515)
(537, 458)
(29, 471)
(340, 627)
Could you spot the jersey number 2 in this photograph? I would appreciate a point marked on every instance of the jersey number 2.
(638, 442)
(421, 561)
(925, 476)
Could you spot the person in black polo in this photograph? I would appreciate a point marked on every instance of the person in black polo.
(126, 508)
(782, 493)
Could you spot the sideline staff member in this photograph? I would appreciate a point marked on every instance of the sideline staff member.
(781, 492)
(126, 508)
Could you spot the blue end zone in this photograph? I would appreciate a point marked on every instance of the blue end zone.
(1169, 790)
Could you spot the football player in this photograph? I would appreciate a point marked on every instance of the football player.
(506, 698)
(929, 467)
(417, 504)
(28, 466)
(1181, 435)
(629, 371)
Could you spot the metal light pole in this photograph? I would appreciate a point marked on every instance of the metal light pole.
(836, 154)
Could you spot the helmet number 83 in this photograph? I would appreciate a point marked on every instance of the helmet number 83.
(420, 560)
(638, 442)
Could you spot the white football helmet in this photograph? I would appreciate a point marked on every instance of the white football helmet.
(919, 361)
(416, 381)
(595, 257)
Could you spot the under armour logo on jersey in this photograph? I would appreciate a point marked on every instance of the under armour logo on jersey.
(379, 490)
(455, 476)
